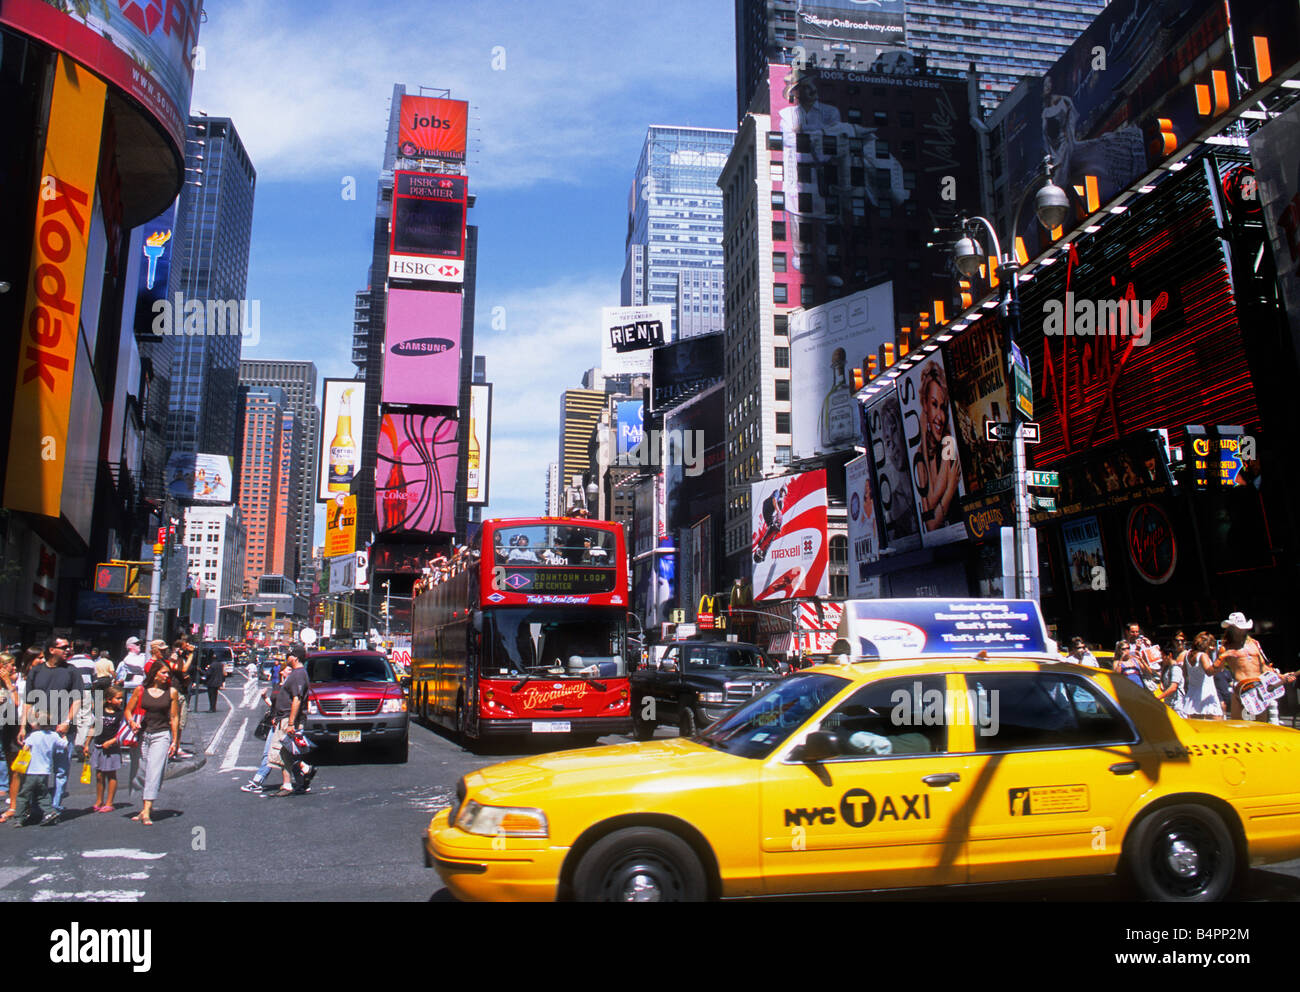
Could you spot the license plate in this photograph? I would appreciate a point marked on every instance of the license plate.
(349, 737)
(550, 726)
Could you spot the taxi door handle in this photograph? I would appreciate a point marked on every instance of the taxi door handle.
(1124, 767)
(945, 778)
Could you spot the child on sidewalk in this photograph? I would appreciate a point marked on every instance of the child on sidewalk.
(105, 754)
(45, 745)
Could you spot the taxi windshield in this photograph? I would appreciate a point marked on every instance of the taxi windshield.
(759, 727)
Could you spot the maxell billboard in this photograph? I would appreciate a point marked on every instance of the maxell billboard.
(433, 127)
(825, 343)
(422, 348)
(789, 543)
(629, 333)
(427, 232)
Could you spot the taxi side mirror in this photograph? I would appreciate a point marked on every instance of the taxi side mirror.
(817, 746)
(668, 665)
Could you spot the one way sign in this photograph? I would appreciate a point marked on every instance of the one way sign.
(1002, 431)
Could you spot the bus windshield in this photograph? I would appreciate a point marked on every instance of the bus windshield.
(553, 544)
(523, 641)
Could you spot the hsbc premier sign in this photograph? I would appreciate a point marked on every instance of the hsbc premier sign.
(427, 230)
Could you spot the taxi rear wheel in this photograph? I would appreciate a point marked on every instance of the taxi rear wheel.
(1183, 854)
(640, 864)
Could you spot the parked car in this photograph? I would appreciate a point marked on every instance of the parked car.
(355, 697)
(695, 682)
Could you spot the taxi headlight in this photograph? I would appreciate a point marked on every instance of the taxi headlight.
(713, 697)
(393, 706)
(502, 821)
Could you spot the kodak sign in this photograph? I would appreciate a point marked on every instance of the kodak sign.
(47, 349)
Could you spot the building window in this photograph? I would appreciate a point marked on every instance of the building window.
(778, 230)
(778, 261)
(774, 141)
(782, 422)
(782, 389)
(839, 550)
(807, 296)
(781, 357)
(778, 200)
(839, 587)
(780, 293)
(783, 454)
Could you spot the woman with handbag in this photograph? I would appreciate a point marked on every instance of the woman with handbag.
(155, 715)
(22, 666)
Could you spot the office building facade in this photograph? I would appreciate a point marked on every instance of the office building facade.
(674, 226)
(1003, 40)
(214, 223)
(580, 412)
(261, 480)
(298, 380)
(214, 542)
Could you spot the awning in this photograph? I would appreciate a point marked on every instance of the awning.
(780, 643)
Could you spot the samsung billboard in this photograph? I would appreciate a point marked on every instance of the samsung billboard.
(422, 348)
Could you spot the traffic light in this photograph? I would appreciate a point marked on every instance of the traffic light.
(112, 579)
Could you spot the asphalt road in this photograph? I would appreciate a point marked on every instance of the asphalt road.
(355, 836)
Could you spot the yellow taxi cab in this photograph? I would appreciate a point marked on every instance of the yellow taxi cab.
(938, 753)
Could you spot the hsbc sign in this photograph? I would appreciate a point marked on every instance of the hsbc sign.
(434, 269)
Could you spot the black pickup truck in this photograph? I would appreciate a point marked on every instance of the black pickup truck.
(695, 683)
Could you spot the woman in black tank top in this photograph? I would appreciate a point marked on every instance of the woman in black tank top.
(156, 715)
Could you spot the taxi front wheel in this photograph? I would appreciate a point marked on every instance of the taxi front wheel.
(640, 864)
(1182, 854)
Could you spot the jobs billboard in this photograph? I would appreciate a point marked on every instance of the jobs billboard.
(433, 127)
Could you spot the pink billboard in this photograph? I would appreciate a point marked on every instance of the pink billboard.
(415, 474)
(422, 348)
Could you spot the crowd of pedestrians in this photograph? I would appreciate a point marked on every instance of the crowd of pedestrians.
(66, 702)
(1204, 677)
(286, 700)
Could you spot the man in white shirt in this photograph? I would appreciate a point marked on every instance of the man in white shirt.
(84, 662)
(130, 671)
(1080, 655)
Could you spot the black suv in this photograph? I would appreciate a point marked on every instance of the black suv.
(695, 683)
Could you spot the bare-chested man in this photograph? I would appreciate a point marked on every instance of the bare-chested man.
(1246, 660)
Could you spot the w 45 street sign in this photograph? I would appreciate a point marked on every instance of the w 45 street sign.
(1045, 480)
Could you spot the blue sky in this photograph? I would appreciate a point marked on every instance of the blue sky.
(554, 139)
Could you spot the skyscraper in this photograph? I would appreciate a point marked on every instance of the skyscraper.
(1005, 40)
(298, 380)
(673, 252)
(369, 326)
(261, 480)
(214, 223)
(580, 411)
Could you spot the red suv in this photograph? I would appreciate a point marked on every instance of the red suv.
(355, 697)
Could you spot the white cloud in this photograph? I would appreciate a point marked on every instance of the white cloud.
(308, 88)
(550, 337)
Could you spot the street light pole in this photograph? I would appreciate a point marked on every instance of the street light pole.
(1051, 205)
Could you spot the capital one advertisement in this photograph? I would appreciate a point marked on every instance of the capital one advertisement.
(145, 47)
(422, 340)
(864, 540)
(433, 127)
(427, 230)
(415, 475)
(932, 451)
(789, 537)
(826, 343)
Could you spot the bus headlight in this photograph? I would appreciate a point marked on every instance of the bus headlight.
(502, 821)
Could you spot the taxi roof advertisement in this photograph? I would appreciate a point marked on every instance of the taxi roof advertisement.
(789, 544)
(907, 628)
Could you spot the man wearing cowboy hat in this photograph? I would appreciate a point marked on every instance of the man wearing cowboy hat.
(1243, 656)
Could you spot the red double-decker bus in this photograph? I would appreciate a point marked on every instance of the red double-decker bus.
(524, 632)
